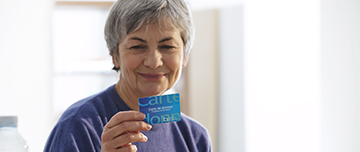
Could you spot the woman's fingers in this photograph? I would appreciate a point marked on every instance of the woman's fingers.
(124, 127)
(127, 148)
(125, 116)
(127, 138)
(123, 141)
(122, 130)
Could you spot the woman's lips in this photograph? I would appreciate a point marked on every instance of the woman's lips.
(152, 77)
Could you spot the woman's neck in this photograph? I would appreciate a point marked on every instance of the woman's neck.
(127, 94)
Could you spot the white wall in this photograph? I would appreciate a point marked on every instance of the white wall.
(231, 133)
(340, 75)
(302, 75)
(25, 67)
(282, 78)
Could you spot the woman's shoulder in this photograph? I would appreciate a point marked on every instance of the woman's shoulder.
(194, 131)
(100, 104)
(75, 125)
(190, 125)
(83, 119)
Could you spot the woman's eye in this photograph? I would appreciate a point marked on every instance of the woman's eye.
(138, 48)
(167, 47)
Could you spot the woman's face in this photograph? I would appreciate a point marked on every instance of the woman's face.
(150, 60)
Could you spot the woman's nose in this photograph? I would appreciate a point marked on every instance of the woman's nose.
(153, 59)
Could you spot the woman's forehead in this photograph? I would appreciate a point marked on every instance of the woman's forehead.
(156, 31)
(157, 28)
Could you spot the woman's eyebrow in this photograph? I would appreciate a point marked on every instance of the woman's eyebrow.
(142, 40)
(165, 39)
(139, 39)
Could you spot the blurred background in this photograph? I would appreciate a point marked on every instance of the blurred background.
(263, 76)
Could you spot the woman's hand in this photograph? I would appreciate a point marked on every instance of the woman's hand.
(122, 130)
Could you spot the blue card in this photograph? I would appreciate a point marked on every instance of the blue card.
(160, 109)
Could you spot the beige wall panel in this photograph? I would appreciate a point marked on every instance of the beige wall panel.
(202, 72)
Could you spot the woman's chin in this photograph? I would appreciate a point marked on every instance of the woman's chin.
(153, 92)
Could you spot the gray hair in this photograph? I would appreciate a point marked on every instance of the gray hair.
(127, 16)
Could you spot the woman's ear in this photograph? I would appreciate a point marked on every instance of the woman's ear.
(115, 60)
(185, 60)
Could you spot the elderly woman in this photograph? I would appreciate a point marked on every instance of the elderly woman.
(149, 41)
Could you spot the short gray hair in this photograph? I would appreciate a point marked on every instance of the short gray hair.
(127, 16)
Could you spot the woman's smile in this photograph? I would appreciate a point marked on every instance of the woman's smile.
(153, 76)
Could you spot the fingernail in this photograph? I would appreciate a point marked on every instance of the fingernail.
(141, 115)
(148, 126)
(146, 138)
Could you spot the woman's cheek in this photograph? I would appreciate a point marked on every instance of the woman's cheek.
(175, 69)
(128, 68)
